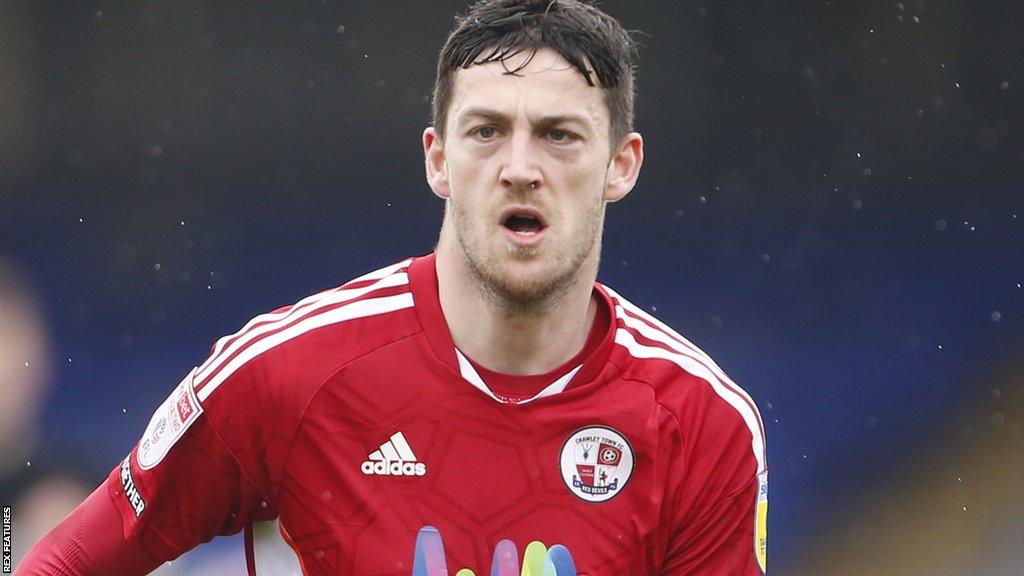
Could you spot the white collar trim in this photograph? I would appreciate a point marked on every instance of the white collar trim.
(471, 376)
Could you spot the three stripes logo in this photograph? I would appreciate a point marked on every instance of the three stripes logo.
(394, 458)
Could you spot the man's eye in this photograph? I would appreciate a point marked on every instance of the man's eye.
(486, 132)
(559, 136)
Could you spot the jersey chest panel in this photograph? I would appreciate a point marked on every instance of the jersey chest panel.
(384, 450)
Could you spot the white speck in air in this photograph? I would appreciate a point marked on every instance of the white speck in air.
(866, 171)
(389, 204)
(1004, 85)
(263, 504)
(916, 20)
(703, 199)
(182, 222)
(857, 204)
(26, 364)
(156, 266)
(156, 150)
(69, 360)
(340, 29)
(99, 13)
(960, 479)
(964, 508)
(208, 287)
(858, 154)
(81, 220)
(28, 463)
(957, 84)
(940, 225)
(996, 315)
(900, 6)
(124, 410)
(654, 308)
(940, 346)
(765, 257)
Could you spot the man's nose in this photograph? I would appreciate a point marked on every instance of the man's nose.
(521, 170)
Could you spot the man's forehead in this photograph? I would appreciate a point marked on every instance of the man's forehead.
(545, 77)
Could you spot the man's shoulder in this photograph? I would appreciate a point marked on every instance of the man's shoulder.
(650, 350)
(304, 342)
(685, 380)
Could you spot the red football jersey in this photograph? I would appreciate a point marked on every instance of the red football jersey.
(351, 418)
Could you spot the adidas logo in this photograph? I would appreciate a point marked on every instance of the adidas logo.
(394, 458)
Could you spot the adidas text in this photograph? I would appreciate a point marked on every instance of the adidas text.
(394, 468)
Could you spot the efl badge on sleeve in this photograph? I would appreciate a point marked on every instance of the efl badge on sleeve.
(169, 423)
(596, 462)
(761, 522)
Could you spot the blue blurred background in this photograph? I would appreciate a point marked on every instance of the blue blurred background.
(832, 206)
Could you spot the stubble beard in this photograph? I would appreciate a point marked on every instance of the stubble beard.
(533, 295)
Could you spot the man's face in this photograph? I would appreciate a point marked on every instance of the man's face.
(527, 158)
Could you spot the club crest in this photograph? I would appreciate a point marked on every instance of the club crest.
(596, 462)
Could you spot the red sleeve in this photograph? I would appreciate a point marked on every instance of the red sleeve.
(720, 496)
(89, 541)
(182, 485)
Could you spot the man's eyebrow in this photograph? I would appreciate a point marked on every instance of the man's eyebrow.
(484, 113)
(495, 116)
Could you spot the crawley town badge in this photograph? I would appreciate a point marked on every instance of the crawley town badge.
(596, 462)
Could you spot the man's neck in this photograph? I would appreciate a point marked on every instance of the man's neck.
(503, 339)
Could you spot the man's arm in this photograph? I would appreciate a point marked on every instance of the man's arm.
(89, 541)
(720, 498)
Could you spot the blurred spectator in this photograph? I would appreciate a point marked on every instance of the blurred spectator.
(40, 490)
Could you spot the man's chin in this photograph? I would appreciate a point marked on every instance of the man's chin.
(525, 281)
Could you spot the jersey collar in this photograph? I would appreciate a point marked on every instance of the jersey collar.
(423, 281)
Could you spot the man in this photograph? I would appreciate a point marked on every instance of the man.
(492, 389)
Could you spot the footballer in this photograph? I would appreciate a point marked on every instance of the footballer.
(488, 392)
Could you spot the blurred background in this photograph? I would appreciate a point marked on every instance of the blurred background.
(832, 206)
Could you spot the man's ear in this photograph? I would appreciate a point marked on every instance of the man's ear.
(624, 167)
(437, 170)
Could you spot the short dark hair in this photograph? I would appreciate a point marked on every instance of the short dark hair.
(495, 30)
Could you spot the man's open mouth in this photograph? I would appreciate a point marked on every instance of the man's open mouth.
(523, 222)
